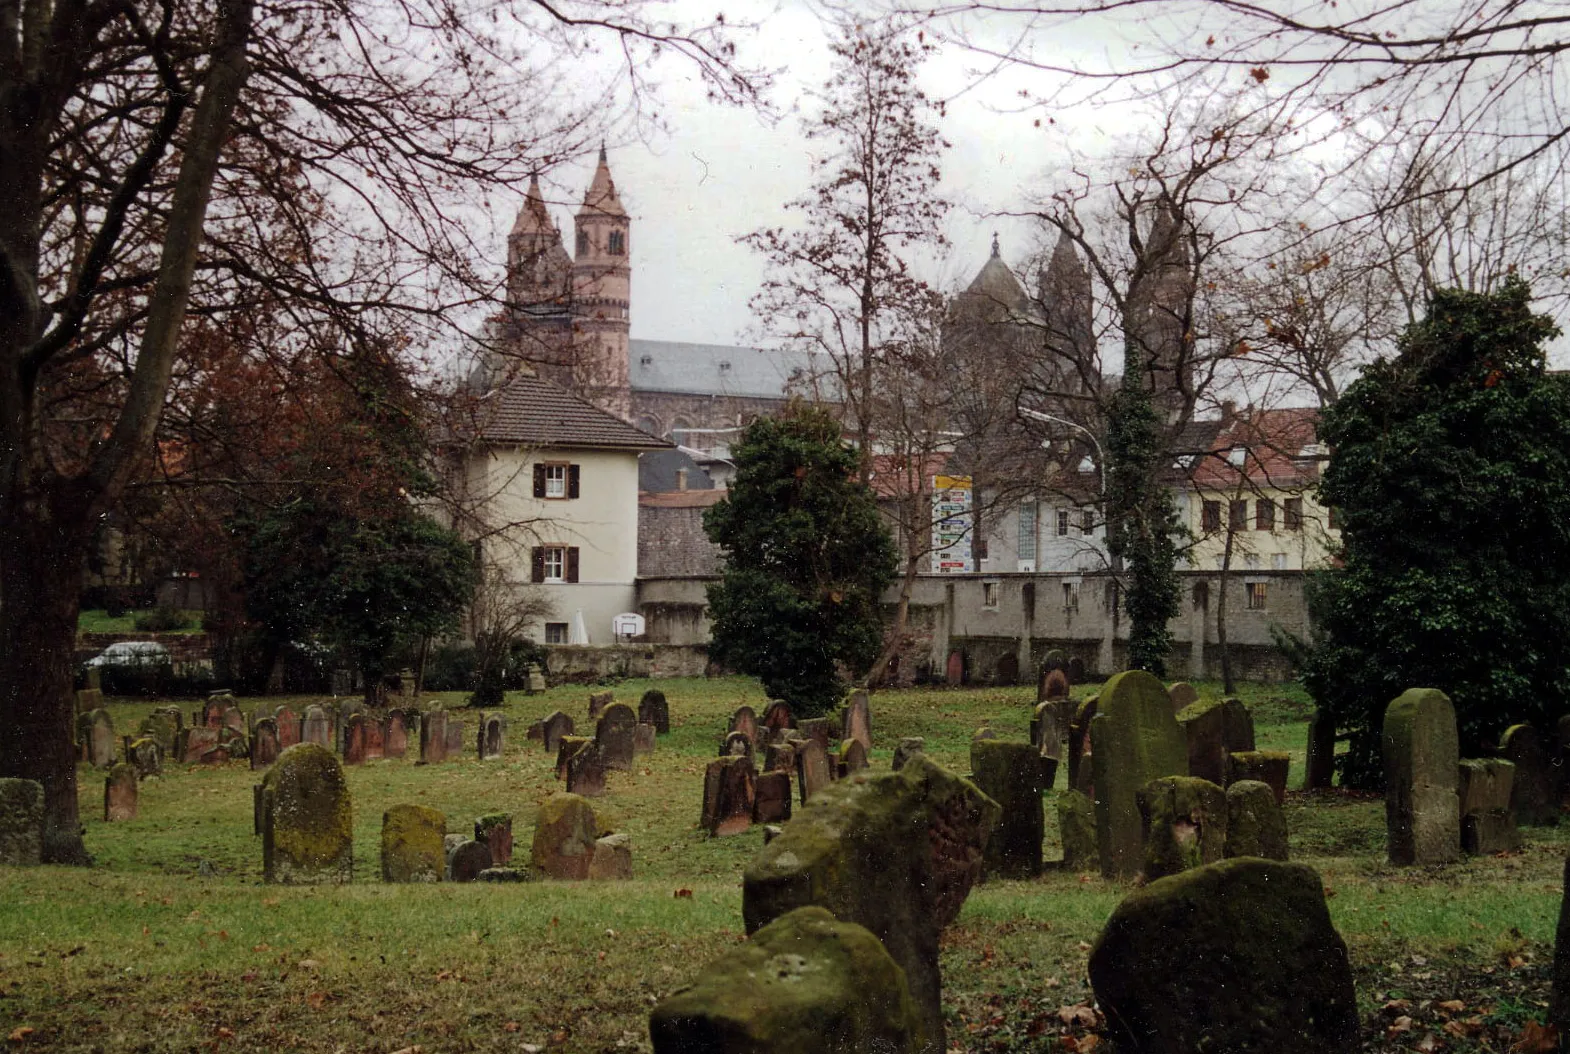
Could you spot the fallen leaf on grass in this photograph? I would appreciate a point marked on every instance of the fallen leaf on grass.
(683, 892)
(511, 1026)
(1455, 1006)
(308, 964)
(1537, 1039)
(1398, 1004)
(1078, 1014)
(316, 999)
(19, 1035)
(410, 1050)
(1428, 1043)
(1400, 1024)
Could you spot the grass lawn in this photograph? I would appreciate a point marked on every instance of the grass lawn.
(172, 942)
(100, 621)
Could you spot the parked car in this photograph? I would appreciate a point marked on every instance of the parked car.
(135, 653)
(133, 667)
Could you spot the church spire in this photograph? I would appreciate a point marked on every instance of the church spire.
(534, 217)
(601, 197)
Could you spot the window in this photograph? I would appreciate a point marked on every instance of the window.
(554, 563)
(1087, 521)
(1292, 514)
(1070, 598)
(1210, 516)
(556, 480)
(618, 243)
(1237, 516)
(989, 594)
(1256, 596)
(556, 633)
(1278, 561)
(1062, 522)
(1251, 561)
(583, 241)
(1264, 515)
(1027, 531)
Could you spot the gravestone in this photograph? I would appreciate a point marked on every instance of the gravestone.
(554, 727)
(1053, 685)
(212, 712)
(858, 719)
(354, 740)
(315, 727)
(492, 740)
(1077, 831)
(736, 745)
(1271, 767)
(852, 758)
(288, 727)
(745, 720)
(1135, 738)
(895, 852)
(1255, 823)
(771, 800)
(907, 748)
(163, 727)
(433, 737)
(495, 830)
(535, 732)
(1422, 765)
(1076, 669)
(1049, 724)
(819, 731)
(375, 737)
(1014, 776)
(812, 769)
(232, 744)
(654, 710)
(1214, 730)
(1079, 768)
(89, 699)
(100, 740)
(395, 737)
(780, 756)
(465, 863)
(21, 822)
(565, 831)
(598, 701)
(566, 747)
(586, 769)
(535, 683)
(235, 719)
(612, 858)
(729, 791)
(147, 756)
(1488, 825)
(120, 793)
(1532, 795)
(1320, 767)
(644, 738)
(954, 670)
(1236, 956)
(264, 744)
(1183, 696)
(412, 844)
(454, 748)
(199, 746)
(777, 717)
(1184, 820)
(615, 733)
(307, 818)
(806, 983)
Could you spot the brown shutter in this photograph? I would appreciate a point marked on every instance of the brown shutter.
(572, 563)
(539, 482)
(537, 564)
(572, 481)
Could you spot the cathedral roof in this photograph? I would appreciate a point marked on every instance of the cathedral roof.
(996, 284)
(1065, 261)
(715, 369)
(601, 198)
(534, 218)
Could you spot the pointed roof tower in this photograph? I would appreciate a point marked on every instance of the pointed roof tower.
(534, 217)
(601, 198)
(996, 284)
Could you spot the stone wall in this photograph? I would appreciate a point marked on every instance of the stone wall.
(671, 542)
(587, 663)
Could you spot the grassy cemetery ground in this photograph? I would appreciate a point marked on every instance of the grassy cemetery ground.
(173, 943)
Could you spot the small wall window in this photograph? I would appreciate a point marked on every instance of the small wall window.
(1278, 561)
(1256, 596)
(554, 563)
(556, 480)
(989, 594)
(583, 242)
(1062, 522)
(1292, 514)
(1237, 516)
(1210, 516)
(1087, 521)
(617, 246)
(556, 633)
(1027, 531)
(1070, 598)
(1264, 515)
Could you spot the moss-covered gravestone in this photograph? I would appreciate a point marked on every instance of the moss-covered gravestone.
(857, 718)
(1238, 956)
(1255, 824)
(1270, 767)
(1079, 745)
(1185, 824)
(1214, 730)
(897, 853)
(907, 748)
(120, 791)
(1014, 776)
(565, 830)
(1422, 764)
(1533, 795)
(21, 822)
(1135, 738)
(467, 859)
(307, 818)
(1077, 831)
(1487, 823)
(852, 758)
(654, 710)
(807, 983)
(163, 727)
(495, 830)
(147, 756)
(412, 849)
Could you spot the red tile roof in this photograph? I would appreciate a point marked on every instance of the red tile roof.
(1279, 450)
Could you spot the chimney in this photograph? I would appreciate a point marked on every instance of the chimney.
(681, 479)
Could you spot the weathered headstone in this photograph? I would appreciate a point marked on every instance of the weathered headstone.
(395, 734)
(100, 743)
(163, 727)
(232, 744)
(771, 802)
(1257, 931)
(615, 734)
(89, 699)
(1214, 730)
(433, 737)
(745, 720)
(1079, 767)
(212, 712)
(199, 746)
(307, 818)
(644, 738)
(1422, 764)
(807, 983)
(455, 738)
(896, 852)
(354, 740)
(812, 769)
(555, 726)
(1532, 794)
(535, 680)
(819, 731)
(465, 863)
(288, 727)
(1077, 831)
(264, 743)
(412, 844)
(1135, 738)
(1053, 685)
(585, 768)
(654, 710)
(21, 822)
(780, 756)
(858, 719)
(495, 830)
(316, 727)
(1271, 767)
(375, 738)
(1185, 824)
(566, 747)
(234, 718)
(565, 831)
(1320, 766)
(492, 740)
(1487, 823)
(729, 790)
(147, 756)
(1049, 725)
(598, 701)
(1014, 776)
(736, 745)
(1183, 696)
(777, 717)
(120, 793)
(612, 858)
(1255, 823)
(907, 748)
(1076, 669)
(852, 758)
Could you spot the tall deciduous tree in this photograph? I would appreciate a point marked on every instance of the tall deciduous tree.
(1451, 478)
(806, 560)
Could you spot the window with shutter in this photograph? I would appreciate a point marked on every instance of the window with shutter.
(572, 481)
(537, 564)
(572, 564)
(539, 481)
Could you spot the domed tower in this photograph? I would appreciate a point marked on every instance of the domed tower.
(601, 296)
(538, 315)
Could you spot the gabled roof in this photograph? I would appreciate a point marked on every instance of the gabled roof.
(532, 411)
(1279, 449)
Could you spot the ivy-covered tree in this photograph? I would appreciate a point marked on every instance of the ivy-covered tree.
(806, 559)
(1450, 474)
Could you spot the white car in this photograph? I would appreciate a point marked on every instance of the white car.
(132, 653)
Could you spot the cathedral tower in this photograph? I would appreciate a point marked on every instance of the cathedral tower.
(601, 296)
(539, 288)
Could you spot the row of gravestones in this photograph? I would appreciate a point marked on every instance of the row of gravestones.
(620, 735)
(845, 908)
(305, 817)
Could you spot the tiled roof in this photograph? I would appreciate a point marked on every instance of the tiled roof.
(1279, 450)
(715, 369)
(533, 411)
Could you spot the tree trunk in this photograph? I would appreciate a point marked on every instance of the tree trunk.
(896, 634)
(1221, 615)
(40, 591)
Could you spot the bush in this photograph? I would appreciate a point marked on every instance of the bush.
(163, 620)
(450, 668)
